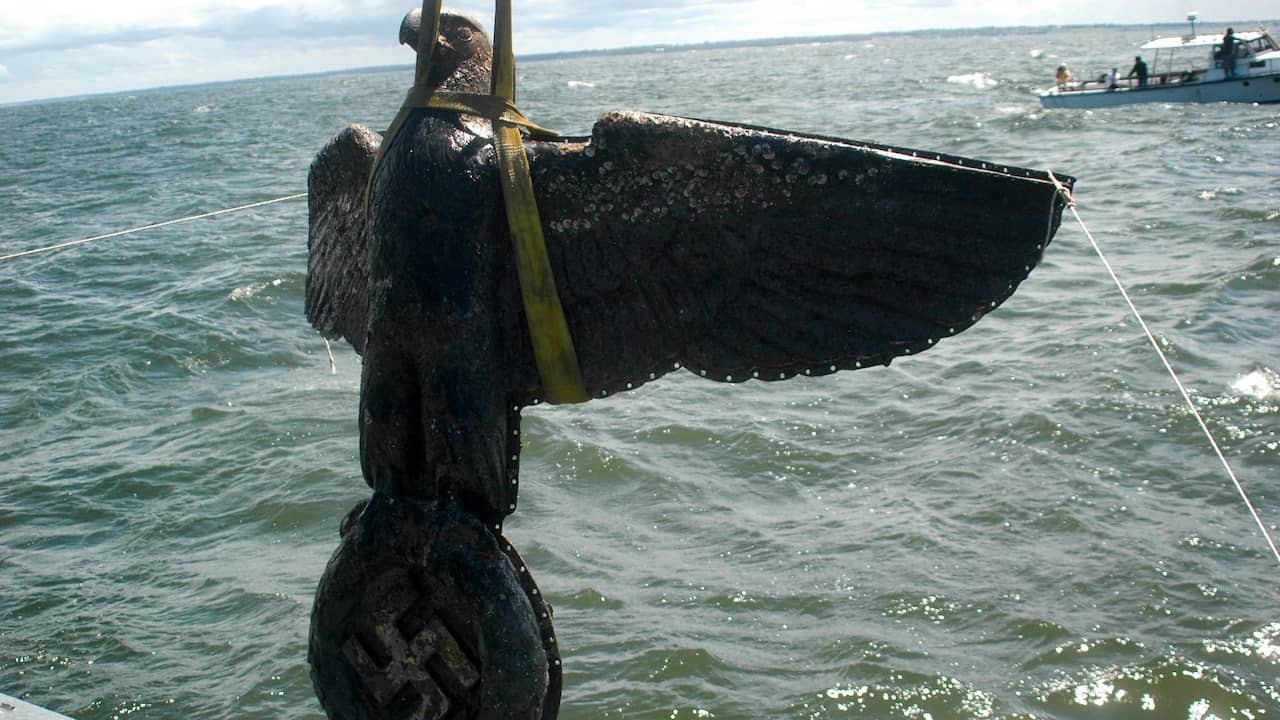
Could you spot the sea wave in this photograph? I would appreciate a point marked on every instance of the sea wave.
(979, 80)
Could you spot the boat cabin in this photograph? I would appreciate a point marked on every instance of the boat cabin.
(1195, 58)
(1189, 68)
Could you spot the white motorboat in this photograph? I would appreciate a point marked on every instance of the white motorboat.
(1188, 68)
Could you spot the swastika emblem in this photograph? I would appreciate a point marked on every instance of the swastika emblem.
(426, 671)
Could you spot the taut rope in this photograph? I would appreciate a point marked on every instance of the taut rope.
(118, 233)
(1186, 396)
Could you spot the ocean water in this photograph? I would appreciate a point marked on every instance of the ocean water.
(1024, 522)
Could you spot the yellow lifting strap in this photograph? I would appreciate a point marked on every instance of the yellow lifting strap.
(553, 350)
(548, 330)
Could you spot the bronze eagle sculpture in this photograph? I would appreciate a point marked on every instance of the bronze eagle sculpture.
(732, 252)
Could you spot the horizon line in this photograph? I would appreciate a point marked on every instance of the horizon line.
(626, 50)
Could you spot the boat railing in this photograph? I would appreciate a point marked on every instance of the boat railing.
(1131, 83)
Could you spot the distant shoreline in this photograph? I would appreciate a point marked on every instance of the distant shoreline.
(659, 47)
(812, 39)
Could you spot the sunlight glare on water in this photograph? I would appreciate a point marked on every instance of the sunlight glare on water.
(1023, 522)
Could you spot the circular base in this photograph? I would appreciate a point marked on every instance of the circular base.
(424, 612)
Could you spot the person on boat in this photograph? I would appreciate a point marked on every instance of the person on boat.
(1229, 53)
(1139, 70)
(1064, 76)
(1109, 79)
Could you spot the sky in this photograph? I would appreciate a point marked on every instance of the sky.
(58, 48)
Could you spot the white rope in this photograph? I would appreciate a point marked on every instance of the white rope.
(333, 366)
(1071, 203)
(118, 233)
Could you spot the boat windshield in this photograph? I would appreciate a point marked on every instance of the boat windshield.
(1262, 44)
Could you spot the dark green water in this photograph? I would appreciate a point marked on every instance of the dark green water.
(1024, 522)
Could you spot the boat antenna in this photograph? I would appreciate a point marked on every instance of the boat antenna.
(1191, 18)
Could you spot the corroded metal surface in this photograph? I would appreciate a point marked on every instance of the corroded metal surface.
(736, 252)
(335, 198)
(746, 253)
(424, 612)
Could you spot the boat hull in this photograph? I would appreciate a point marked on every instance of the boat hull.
(12, 708)
(1254, 89)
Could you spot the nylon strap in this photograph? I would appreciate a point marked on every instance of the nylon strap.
(553, 349)
(428, 32)
(548, 330)
(486, 106)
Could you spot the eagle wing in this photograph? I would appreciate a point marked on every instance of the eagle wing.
(742, 252)
(738, 252)
(337, 237)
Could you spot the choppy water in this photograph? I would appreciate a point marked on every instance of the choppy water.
(1024, 522)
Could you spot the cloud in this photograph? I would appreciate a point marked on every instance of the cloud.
(69, 47)
(75, 47)
(80, 25)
